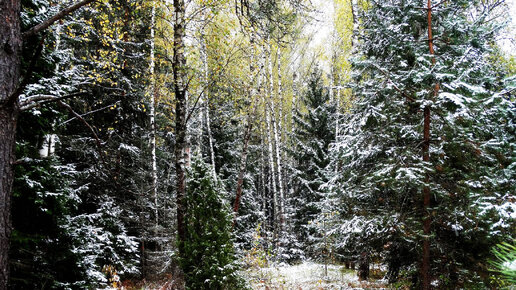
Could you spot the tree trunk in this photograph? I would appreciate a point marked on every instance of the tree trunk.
(152, 116)
(363, 266)
(179, 67)
(8, 119)
(263, 168)
(277, 140)
(241, 172)
(247, 137)
(10, 48)
(269, 120)
(204, 55)
(425, 267)
(355, 22)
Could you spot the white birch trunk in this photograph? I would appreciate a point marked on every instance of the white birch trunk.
(269, 119)
(152, 116)
(262, 172)
(206, 100)
(277, 140)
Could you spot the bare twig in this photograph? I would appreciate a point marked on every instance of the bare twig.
(89, 113)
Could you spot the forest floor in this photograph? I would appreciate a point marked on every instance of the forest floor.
(304, 276)
(307, 275)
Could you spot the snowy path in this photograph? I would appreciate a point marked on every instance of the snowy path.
(305, 276)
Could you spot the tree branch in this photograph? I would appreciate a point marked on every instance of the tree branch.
(40, 99)
(14, 97)
(89, 113)
(45, 24)
(386, 74)
(99, 143)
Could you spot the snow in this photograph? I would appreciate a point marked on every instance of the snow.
(307, 275)
(510, 265)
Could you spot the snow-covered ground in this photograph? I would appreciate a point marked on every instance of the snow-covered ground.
(307, 275)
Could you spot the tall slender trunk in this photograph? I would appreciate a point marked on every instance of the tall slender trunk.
(179, 70)
(206, 100)
(295, 93)
(337, 114)
(262, 175)
(425, 267)
(277, 140)
(241, 171)
(152, 116)
(247, 137)
(268, 104)
(59, 28)
(10, 40)
(271, 165)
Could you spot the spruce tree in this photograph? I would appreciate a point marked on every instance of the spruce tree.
(397, 82)
(208, 261)
(313, 134)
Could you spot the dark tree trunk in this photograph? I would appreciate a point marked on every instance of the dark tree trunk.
(179, 70)
(363, 266)
(243, 163)
(8, 118)
(10, 87)
(425, 266)
(10, 47)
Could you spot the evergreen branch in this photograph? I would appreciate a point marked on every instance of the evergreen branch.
(386, 74)
(85, 123)
(38, 100)
(45, 24)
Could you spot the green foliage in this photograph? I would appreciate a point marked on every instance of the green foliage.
(313, 133)
(41, 250)
(208, 261)
(505, 261)
(471, 164)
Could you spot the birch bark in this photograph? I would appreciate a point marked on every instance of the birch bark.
(179, 70)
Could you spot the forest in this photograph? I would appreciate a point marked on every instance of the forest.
(257, 144)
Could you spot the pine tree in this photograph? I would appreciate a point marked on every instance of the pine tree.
(395, 200)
